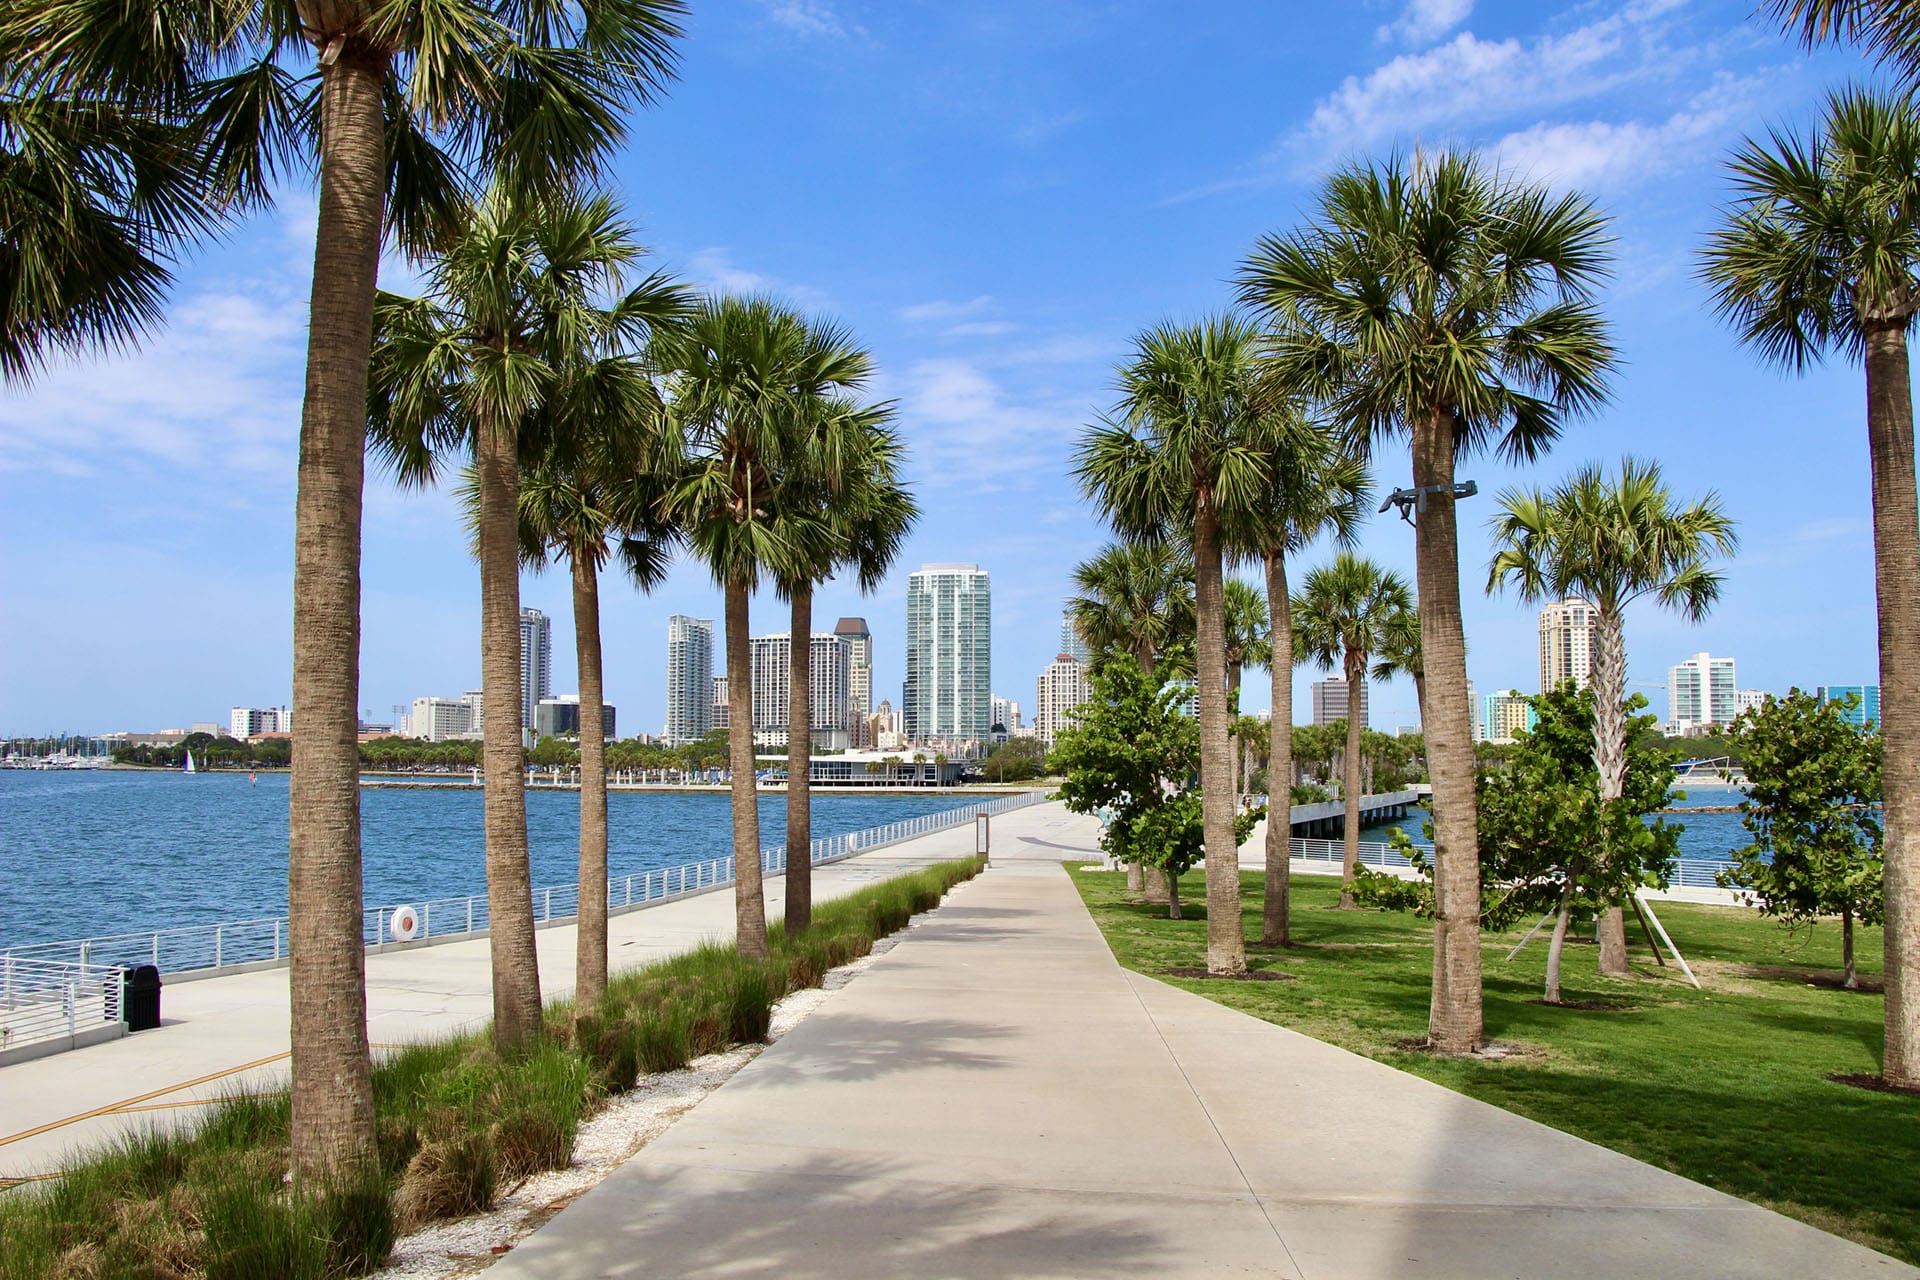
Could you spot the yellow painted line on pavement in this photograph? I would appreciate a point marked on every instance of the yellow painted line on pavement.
(129, 1103)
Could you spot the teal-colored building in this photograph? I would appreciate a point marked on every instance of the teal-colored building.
(1865, 711)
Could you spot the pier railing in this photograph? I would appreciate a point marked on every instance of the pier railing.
(1689, 873)
(263, 941)
(48, 1000)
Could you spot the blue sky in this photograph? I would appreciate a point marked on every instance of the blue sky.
(996, 197)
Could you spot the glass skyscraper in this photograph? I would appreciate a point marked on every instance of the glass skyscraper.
(536, 664)
(689, 679)
(949, 692)
(1865, 712)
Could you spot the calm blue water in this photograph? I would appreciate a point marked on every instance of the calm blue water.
(1707, 836)
(89, 853)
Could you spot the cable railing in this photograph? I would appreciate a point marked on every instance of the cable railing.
(1689, 873)
(263, 941)
(43, 1000)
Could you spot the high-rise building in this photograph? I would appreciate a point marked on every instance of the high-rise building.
(949, 687)
(1072, 643)
(440, 719)
(1865, 712)
(859, 676)
(536, 663)
(1006, 714)
(1569, 642)
(1060, 688)
(560, 718)
(1330, 701)
(828, 677)
(721, 713)
(1745, 700)
(689, 679)
(1701, 691)
(1507, 713)
(252, 722)
(1477, 726)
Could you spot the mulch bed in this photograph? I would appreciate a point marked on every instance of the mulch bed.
(1873, 1084)
(1595, 1006)
(1251, 975)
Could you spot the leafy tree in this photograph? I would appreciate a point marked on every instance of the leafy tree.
(1132, 754)
(1339, 618)
(1549, 843)
(1437, 298)
(1133, 598)
(1016, 760)
(1819, 253)
(1812, 782)
(1611, 542)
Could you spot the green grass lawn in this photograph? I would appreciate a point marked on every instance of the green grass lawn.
(1726, 1086)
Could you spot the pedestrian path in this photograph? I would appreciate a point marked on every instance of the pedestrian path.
(228, 1035)
(996, 1097)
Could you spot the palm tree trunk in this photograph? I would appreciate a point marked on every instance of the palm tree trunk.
(516, 963)
(1455, 1020)
(590, 954)
(1846, 947)
(749, 901)
(1356, 672)
(799, 901)
(1137, 874)
(1610, 762)
(332, 1081)
(1274, 907)
(1896, 564)
(1226, 944)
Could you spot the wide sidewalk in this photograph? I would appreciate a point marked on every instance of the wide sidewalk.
(228, 1035)
(997, 1097)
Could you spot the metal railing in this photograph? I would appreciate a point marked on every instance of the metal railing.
(1689, 873)
(49, 1000)
(192, 948)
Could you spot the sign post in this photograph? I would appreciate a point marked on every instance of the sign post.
(980, 837)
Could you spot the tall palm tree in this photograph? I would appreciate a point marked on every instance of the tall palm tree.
(742, 374)
(1889, 29)
(1611, 541)
(517, 312)
(1440, 299)
(1399, 655)
(390, 100)
(1340, 618)
(1184, 455)
(1317, 487)
(853, 470)
(1821, 253)
(599, 492)
(1133, 598)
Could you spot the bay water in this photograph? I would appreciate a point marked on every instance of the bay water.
(90, 852)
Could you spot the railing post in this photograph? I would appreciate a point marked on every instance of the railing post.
(546, 911)
(276, 938)
(219, 938)
(469, 913)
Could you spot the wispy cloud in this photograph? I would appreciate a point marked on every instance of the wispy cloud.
(980, 329)
(714, 271)
(964, 429)
(815, 18)
(1601, 154)
(942, 309)
(1425, 20)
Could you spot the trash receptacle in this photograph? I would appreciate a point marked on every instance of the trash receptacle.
(140, 998)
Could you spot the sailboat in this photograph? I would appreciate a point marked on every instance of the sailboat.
(188, 766)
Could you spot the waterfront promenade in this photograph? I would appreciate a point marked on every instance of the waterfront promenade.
(997, 1097)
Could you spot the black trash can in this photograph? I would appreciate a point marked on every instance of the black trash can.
(140, 998)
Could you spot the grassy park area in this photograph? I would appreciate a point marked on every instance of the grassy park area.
(1727, 1086)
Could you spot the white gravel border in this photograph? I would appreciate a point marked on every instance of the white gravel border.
(611, 1137)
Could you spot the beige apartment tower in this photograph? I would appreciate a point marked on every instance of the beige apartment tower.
(1569, 643)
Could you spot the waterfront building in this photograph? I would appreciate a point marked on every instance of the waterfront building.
(1330, 701)
(1701, 692)
(207, 727)
(1745, 700)
(719, 716)
(444, 719)
(829, 677)
(1569, 642)
(948, 693)
(1865, 712)
(1006, 714)
(1061, 687)
(560, 718)
(1072, 643)
(536, 663)
(1476, 726)
(1507, 713)
(256, 722)
(859, 676)
(689, 679)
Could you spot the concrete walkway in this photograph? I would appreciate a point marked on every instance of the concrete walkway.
(996, 1097)
(221, 1036)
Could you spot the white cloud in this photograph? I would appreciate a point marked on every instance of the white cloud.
(1599, 154)
(809, 18)
(941, 309)
(1426, 20)
(980, 329)
(714, 271)
(963, 429)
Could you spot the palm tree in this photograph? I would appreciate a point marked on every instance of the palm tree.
(1317, 488)
(1133, 598)
(395, 99)
(600, 491)
(1399, 655)
(1611, 541)
(1890, 29)
(1184, 455)
(1340, 618)
(1442, 300)
(517, 311)
(742, 373)
(853, 469)
(1821, 252)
